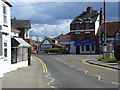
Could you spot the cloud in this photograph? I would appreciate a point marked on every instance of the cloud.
(53, 18)
(51, 30)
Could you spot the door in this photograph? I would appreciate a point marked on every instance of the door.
(77, 49)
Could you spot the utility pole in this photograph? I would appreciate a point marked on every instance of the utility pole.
(105, 43)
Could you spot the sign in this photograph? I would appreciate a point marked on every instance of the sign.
(82, 43)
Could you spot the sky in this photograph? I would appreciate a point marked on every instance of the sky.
(50, 18)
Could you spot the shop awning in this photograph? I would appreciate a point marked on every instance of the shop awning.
(22, 43)
(82, 43)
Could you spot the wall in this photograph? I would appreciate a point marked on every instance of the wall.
(5, 62)
(72, 47)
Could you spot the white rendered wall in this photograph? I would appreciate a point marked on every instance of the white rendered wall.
(97, 24)
(72, 47)
(1, 57)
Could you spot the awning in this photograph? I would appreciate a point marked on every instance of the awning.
(22, 43)
(82, 43)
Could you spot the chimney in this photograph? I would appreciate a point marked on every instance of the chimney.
(101, 16)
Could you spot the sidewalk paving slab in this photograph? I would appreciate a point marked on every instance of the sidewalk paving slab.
(27, 77)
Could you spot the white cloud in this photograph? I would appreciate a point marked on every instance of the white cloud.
(63, 27)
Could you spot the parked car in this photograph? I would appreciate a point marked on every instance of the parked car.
(34, 51)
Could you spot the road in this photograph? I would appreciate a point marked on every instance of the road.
(69, 71)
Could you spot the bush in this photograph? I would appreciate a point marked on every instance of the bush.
(58, 50)
(117, 52)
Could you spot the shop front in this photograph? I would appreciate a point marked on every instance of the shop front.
(85, 47)
(19, 55)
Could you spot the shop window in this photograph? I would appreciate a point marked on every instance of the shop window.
(25, 54)
(92, 48)
(82, 48)
(19, 54)
(13, 55)
(87, 48)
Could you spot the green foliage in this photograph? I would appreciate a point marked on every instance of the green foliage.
(117, 52)
(58, 50)
(108, 60)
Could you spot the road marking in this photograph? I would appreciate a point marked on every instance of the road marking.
(44, 67)
(84, 61)
(52, 80)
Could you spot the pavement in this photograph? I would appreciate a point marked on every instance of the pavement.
(26, 77)
(32, 76)
(109, 65)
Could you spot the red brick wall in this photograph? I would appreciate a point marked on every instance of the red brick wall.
(72, 36)
(92, 36)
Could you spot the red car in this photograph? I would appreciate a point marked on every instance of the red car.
(34, 51)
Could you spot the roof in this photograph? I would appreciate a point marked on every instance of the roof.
(21, 23)
(53, 43)
(13, 29)
(111, 28)
(63, 38)
(86, 16)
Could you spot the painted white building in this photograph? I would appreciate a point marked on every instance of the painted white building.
(5, 39)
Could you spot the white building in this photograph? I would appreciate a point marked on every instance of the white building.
(5, 39)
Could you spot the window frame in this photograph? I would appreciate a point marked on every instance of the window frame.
(5, 21)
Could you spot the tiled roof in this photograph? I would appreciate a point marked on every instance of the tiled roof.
(85, 16)
(13, 29)
(111, 28)
(21, 23)
(63, 38)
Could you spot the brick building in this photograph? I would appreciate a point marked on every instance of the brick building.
(83, 30)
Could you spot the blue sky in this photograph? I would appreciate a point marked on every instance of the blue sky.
(53, 18)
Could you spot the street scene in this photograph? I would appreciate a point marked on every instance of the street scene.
(59, 45)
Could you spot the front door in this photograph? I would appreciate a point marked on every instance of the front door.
(77, 49)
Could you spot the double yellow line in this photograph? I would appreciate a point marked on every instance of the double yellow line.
(85, 62)
(44, 67)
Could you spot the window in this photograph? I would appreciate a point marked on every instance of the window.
(1, 45)
(92, 48)
(5, 52)
(13, 55)
(87, 25)
(87, 35)
(117, 36)
(87, 48)
(77, 26)
(82, 48)
(27, 34)
(4, 14)
(77, 37)
(77, 32)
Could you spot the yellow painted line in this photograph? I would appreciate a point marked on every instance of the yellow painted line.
(44, 67)
(84, 61)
